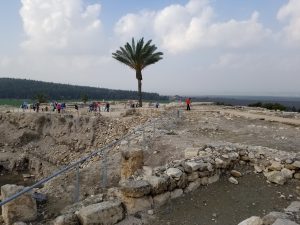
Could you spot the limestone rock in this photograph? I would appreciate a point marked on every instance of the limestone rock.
(233, 180)
(104, 213)
(190, 153)
(297, 176)
(258, 169)
(192, 186)
(254, 220)
(270, 218)
(67, 219)
(284, 222)
(174, 173)
(158, 184)
(183, 181)
(276, 166)
(213, 179)
(276, 177)
(23, 208)
(135, 188)
(134, 205)
(193, 176)
(288, 174)
(176, 193)
(161, 199)
(235, 173)
(191, 166)
(293, 207)
(19, 223)
(219, 163)
(296, 164)
(204, 180)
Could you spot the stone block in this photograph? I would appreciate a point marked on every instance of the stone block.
(161, 199)
(276, 177)
(67, 219)
(174, 173)
(192, 186)
(270, 218)
(176, 193)
(135, 188)
(134, 205)
(23, 208)
(284, 222)
(293, 207)
(104, 213)
(158, 184)
(254, 220)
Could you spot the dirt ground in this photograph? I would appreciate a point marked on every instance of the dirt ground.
(214, 124)
(224, 203)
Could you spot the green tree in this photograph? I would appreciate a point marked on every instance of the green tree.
(84, 98)
(138, 56)
(41, 98)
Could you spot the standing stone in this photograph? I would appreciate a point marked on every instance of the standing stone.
(104, 213)
(22, 208)
(254, 220)
(132, 160)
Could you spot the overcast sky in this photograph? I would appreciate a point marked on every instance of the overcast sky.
(210, 46)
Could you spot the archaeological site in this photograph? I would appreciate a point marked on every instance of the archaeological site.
(212, 165)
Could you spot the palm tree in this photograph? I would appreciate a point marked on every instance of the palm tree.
(138, 56)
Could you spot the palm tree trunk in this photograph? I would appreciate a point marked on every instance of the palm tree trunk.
(139, 78)
(140, 92)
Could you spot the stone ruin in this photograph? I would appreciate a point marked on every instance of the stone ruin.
(146, 189)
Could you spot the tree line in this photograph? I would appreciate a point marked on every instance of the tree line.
(30, 89)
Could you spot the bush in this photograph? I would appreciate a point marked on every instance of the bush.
(270, 106)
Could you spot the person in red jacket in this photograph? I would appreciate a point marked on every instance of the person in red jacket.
(188, 103)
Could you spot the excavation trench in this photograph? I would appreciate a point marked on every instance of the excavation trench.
(223, 203)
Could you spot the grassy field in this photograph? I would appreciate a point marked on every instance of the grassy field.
(11, 102)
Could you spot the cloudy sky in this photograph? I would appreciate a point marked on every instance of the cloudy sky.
(210, 46)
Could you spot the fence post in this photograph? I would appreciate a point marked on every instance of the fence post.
(154, 128)
(77, 187)
(103, 172)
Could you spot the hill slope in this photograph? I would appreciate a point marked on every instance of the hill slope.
(28, 89)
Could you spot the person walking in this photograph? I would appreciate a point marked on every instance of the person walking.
(188, 104)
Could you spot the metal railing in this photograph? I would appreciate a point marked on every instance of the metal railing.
(132, 135)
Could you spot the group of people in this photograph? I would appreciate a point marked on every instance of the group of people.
(59, 107)
(96, 106)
